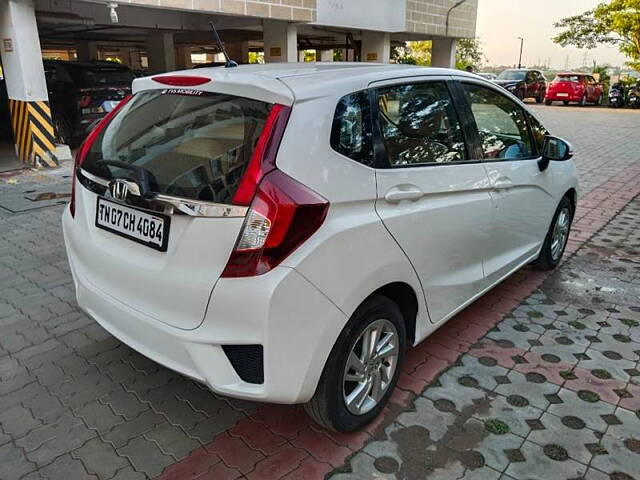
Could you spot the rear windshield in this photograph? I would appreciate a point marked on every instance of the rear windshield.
(104, 76)
(568, 78)
(195, 145)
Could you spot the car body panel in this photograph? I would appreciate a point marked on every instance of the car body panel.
(436, 245)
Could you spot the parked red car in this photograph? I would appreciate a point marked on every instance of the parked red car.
(574, 87)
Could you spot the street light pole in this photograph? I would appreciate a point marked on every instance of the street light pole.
(521, 47)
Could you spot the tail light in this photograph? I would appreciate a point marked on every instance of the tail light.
(282, 214)
(84, 101)
(86, 146)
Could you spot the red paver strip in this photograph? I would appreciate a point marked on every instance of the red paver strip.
(318, 452)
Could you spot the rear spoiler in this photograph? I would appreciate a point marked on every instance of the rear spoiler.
(231, 82)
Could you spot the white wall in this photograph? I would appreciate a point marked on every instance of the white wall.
(382, 15)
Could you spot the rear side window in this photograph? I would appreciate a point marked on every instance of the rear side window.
(351, 132)
(419, 125)
(501, 123)
(194, 146)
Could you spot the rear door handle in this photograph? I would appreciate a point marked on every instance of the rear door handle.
(503, 184)
(403, 192)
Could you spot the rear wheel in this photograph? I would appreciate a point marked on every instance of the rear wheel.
(557, 236)
(362, 369)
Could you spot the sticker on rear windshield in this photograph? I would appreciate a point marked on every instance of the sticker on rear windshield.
(183, 91)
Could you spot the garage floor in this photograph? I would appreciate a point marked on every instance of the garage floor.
(8, 159)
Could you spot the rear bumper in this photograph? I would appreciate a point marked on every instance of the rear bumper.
(555, 97)
(292, 320)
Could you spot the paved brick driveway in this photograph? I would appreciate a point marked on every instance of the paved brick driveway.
(75, 403)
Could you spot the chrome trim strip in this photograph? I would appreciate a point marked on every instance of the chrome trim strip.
(93, 178)
(185, 206)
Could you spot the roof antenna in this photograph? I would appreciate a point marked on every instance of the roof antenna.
(228, 62)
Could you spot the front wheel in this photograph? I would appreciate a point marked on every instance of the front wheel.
(557, 236)
(362, 369)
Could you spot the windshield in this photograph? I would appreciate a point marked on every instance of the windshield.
(96, 77)
(568, 78)
(195, 144)
(512, 75)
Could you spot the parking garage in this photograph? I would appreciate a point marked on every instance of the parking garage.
(104, 38)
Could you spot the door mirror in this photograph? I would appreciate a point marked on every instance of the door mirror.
(554, 149)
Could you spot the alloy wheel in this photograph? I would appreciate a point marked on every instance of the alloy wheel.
(560, 233)
(370, 367)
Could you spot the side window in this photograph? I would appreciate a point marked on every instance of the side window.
(501, 123)
(419, 125)
(351, 132)
(539, 133)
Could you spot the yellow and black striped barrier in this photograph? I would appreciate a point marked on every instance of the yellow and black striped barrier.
(33, 132)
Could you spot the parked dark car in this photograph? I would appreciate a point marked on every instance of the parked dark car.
(5, 119)
(81, 93)
(524, 83)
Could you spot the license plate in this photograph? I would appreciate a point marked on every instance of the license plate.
(563, 94)
(148, 229)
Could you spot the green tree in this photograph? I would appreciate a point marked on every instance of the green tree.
(469, 53)
(616, 22)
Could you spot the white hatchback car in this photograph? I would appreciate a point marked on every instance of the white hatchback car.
(282, 232)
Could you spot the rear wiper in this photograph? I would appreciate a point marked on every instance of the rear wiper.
(141, 176)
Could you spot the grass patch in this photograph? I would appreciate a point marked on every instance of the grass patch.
(629, 322)
(588, 396)
(495, 426)
(601, 373)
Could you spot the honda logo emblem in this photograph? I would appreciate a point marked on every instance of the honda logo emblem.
(119, 189)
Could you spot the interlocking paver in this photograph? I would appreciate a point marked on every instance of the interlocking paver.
(145, 456)
(100, 458)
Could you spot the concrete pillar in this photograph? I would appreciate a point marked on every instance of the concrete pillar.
(31, 120)
(238, 51)
(280, 41)
(443, 53)
(325, 55)
(87, 50)
(160, 52)
(183, 57)
(376, 47)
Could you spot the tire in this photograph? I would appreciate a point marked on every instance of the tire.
(328, 407)
(549, 257)
(548, 103)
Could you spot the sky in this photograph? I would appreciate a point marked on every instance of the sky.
(500, 22)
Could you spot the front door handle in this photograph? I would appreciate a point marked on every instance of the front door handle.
(403, 192)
